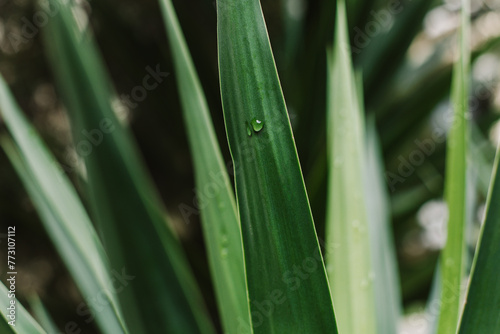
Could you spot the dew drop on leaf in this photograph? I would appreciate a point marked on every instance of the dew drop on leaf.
(249, 130)
(257, 125)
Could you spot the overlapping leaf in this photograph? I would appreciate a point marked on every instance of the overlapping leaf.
(221, 226)
(22, 322)
(62, 213)
(158, 292)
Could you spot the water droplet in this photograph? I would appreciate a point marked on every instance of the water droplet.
(249, 131)
(223, 253)
(257, 125)
(356, 225)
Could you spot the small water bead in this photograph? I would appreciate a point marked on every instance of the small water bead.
(356, 225)
(257, 125)
(224, 240)
(224, 252)
(249, 130)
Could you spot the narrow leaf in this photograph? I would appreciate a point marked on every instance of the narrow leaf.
(221, 226)
(43, 315)
(452, 257)
(62, 214)
(287, 284)
(21, 322)
(481, 313)
(383, 252)
(159, 294)
(347, 231)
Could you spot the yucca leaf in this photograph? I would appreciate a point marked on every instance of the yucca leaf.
(62, 214)
(160, 294)
(287, 284)
(43, 315)
(348, 260)
(483, 298)
(452, 256)
(221, 226)
(386, 277)
(24, 323)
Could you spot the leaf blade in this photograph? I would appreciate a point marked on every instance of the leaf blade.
(481, 308)
(452, 256)
(277, 226)
(221, 226)
(63, 215)
(161, 294)
(348, 261)
(24, 323)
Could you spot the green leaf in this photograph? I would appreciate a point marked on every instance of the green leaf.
(287, 284)
(62, 214)
(221, 226)
(159, 293)
(24, 323)
(43, 315)
(452, 256)
(348, 261)
(386, 277)
(481, 308)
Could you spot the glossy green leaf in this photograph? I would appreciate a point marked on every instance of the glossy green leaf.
(349, 262)
(452, 256)
(158, 293)
(23, 322)
(287, 284)
(62, 214)
(483, 298)
(221, 226)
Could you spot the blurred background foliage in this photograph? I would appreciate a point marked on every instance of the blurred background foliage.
(404, 50)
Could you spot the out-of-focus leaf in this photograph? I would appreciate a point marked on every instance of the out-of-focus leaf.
(287, 284)
(159, 292)
(381, 54)
(221, 226)
(62, 214)
(43, 315)
(24, 323)
(349, 262)
(452, 256)
(386, 278)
